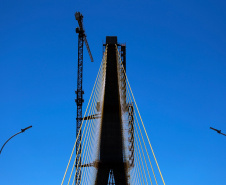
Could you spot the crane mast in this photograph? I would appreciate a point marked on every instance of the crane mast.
(79, 92)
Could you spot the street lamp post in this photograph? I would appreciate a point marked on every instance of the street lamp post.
(22, 130)
(218, 131)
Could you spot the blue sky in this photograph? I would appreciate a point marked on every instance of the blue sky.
(176, 54)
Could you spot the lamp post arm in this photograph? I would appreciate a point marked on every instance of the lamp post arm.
(223, 134)
(8, 140)
(22, 130)
(218, 131)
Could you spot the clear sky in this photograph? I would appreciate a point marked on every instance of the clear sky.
(176, 64)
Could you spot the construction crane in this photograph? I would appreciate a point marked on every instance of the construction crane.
(79, 100)
(218, 131)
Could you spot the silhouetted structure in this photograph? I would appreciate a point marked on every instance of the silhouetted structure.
(218, 131)
(79, 100)
(111, 160)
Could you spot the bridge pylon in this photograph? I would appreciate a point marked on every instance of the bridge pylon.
(115, 146)
(111, 154)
